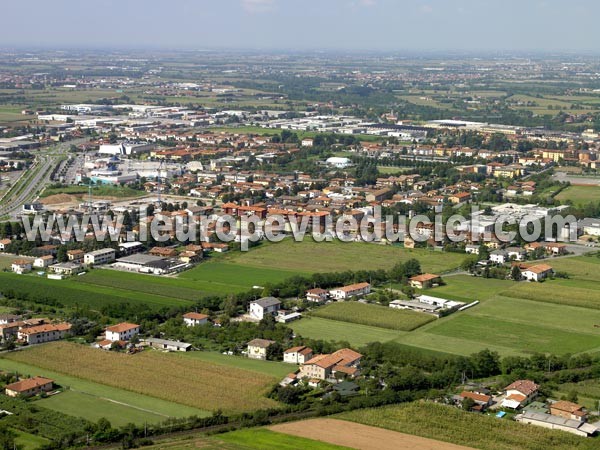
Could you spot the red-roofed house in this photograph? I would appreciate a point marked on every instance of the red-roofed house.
(424, 281)
(122, 331)
(29, 387)
(193, 318)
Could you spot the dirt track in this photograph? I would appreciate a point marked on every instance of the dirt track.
(364, 437)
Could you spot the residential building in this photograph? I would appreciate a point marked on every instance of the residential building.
(75, 256)
(352, 290)
(29, 387)
(297, 355)
(317, 295)
(102, 256)
(519, 394)
(193, 318)
(4, 243)
(424, 281)
(257, 348)
(568, 410)
(263, 306)
(43, 261)
(43, 333)
(122, 331)
(67, 268)
(323, 367)
(499, 256)
(21, 266)
(538, 272)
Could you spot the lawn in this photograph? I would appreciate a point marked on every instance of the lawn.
(27, 441)
(373, 315)
(131, 406)
(309, 256)
(332, 330)
(97, 191)
(71, 292)
(449, 424)
(266, 439)
(271, 368)
(521, 336)
(579, 195)
(467, 288)
(251, 439)
(169, 377)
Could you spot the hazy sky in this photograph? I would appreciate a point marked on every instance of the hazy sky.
(305, 24)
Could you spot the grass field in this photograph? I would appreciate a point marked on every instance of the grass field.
(71, 292)
(169, 377)
(503, 321)
(251, 439)
(97, 191)
(333, 330)
(265, 439)
(27, 441)
(449, 424)
(580, 195)
(588, 392)
(131, 406)
(290, 257)
(271, 368)
(374, 315)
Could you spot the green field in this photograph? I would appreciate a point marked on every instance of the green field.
(512, 319)
(289, 257)
(272, 368)
(588, 392)
(266, 439)
(449, 424)
(332, 330)
(92, 400)
(173, 378)
(27, 441)
(97, 191)
(373, 315)
(250, 439)
(72, 292)
(580, 195)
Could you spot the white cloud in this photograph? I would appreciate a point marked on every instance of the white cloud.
(258, 6)
(426, 9)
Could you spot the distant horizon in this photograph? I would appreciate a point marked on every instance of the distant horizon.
(483, 26)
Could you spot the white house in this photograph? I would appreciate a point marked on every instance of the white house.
(307, 142)
(499, 256)
(516, 253)
(297, 355)
(317, 295)
(102, 256)
(21, 266)
(351, 290)
(4, 243)
(519, 393)
(257, 348)
(192, 319)
(472, 249)
(538, 272)
(43, 261)
(122, 331)
(266, 305)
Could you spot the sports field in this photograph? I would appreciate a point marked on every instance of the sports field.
(453, 425)
(170, 377)
(580, 195)
(374, 315)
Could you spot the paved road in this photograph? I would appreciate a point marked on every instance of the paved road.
(45, 162)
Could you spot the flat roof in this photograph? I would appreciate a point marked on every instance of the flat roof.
(140, 259)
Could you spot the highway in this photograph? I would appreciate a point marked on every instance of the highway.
(20, 193)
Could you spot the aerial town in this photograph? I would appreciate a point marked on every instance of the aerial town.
(299, 249)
